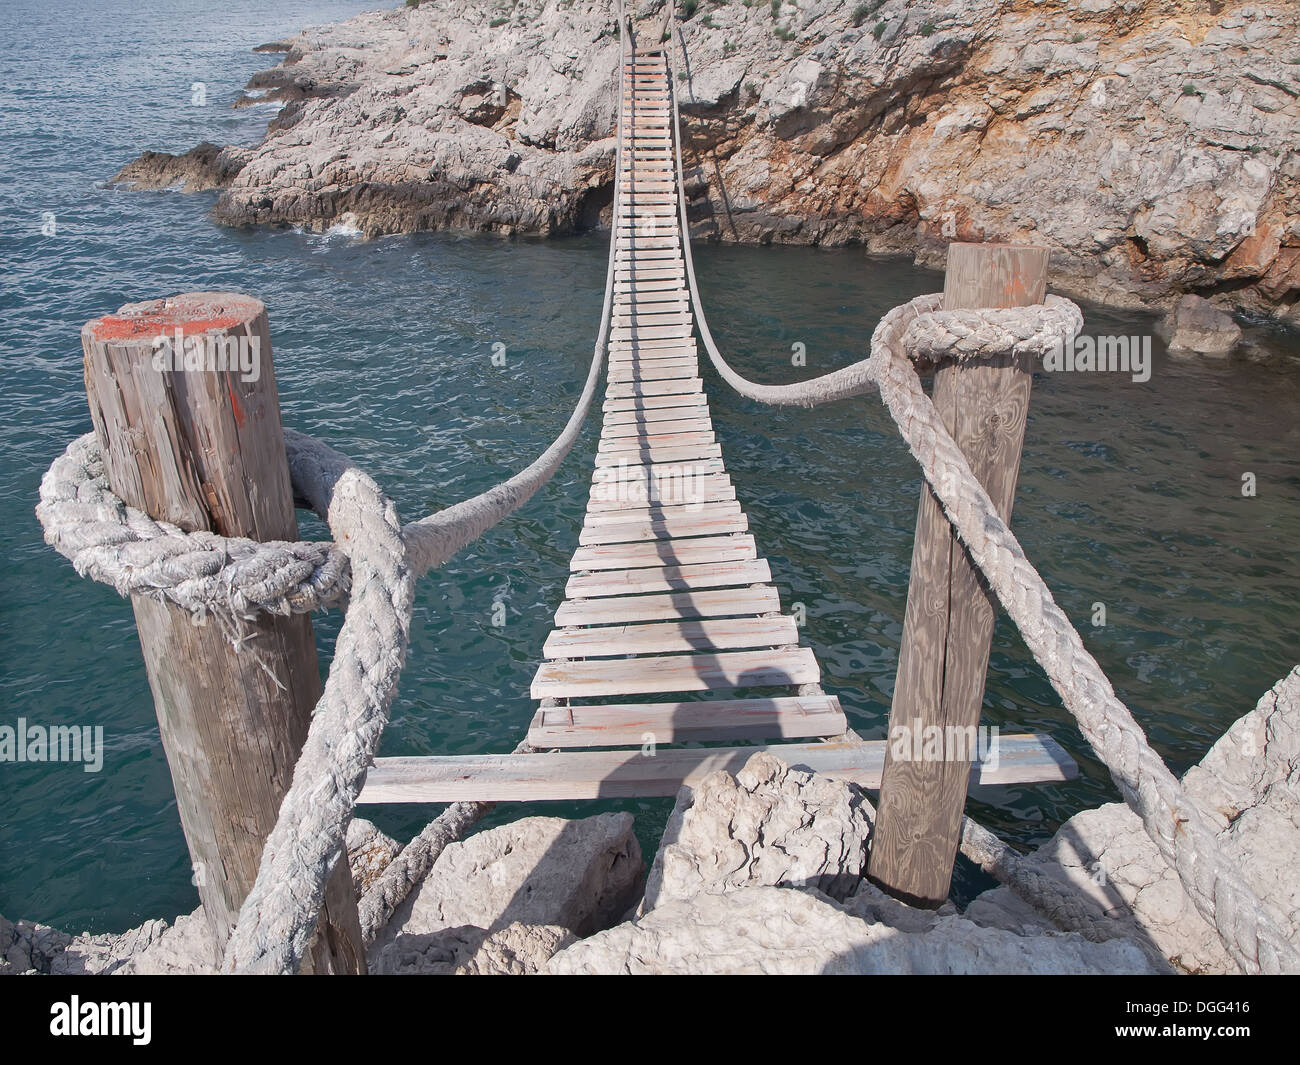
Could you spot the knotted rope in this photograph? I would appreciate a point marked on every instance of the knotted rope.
(374, 561)
(1181, 831)
(372, 564)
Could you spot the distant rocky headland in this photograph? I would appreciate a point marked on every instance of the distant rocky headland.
(1154, 146)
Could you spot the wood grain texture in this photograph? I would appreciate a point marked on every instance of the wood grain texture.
(620, 774)
(204, 448)
(948, 625)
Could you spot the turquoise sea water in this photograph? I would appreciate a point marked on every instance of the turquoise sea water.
(1130, 493)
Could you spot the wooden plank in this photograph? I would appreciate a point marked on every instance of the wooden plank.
(722, 602)
(660, 512)
(646, 494)
(652, 332)
(667, 370)
(629, 422)
(595, 678)
(684, 453)
(636, 465)
(631, 774)
(667, 579)
(625, 532)
(634, 724)
(693, 551)
(674, 387)
(638, 403)
(665, 637)
(619, 448)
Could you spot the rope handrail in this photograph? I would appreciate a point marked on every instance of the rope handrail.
(1182, 832)
(278, 917)
(235, 578)
(376, 573)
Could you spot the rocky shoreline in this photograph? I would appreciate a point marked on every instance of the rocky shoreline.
(763, 872)
(1152, 146)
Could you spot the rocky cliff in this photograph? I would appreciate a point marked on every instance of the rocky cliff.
(1152, 145)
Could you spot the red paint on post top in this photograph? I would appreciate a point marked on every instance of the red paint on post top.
(135, 326)
(191, 313)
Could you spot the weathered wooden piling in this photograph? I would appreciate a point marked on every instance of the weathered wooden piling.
(948, 626)
(203, 447)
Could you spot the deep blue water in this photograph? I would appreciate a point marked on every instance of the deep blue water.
(1129, 496)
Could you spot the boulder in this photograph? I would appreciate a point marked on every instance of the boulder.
(185, 947)
(790, 931)
(768, 824)
(515, 950)
(206, 166)
(578, 875)
(1197, 325)
(1249, 782)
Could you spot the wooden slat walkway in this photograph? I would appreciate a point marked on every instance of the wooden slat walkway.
(668, 595)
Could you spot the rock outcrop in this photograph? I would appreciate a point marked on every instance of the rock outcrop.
(206, 166)
(788, 931)
(539, 872)
(1249, 780)
(515, 950)
(1151, 145)
(769, 824)
(1196, 325)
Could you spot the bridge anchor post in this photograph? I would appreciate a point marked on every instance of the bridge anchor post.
(948, 625)
(183, 398)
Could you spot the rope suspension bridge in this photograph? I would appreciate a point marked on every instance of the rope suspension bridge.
(671, 631)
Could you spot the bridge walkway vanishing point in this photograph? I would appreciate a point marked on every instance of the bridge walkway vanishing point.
(668, 596)
(671, 630)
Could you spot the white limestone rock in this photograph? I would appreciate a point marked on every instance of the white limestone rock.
(1249, 782)
(768, 824)
(579, 875)
(515, 950)
(369, 853)
(1151, 162)
(789, 931)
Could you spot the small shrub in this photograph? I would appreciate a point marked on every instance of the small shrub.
(927, 29)
(1189, 89)
(879, 28)
(784, 34)
(707, 20)
(498, 22)
(776, 8)
(689, 7)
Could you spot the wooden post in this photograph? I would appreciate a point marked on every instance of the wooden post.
(183, 397)
(948, 626)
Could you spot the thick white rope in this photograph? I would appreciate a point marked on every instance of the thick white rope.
(122, 547)
(233, 577)
(1182, 832)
